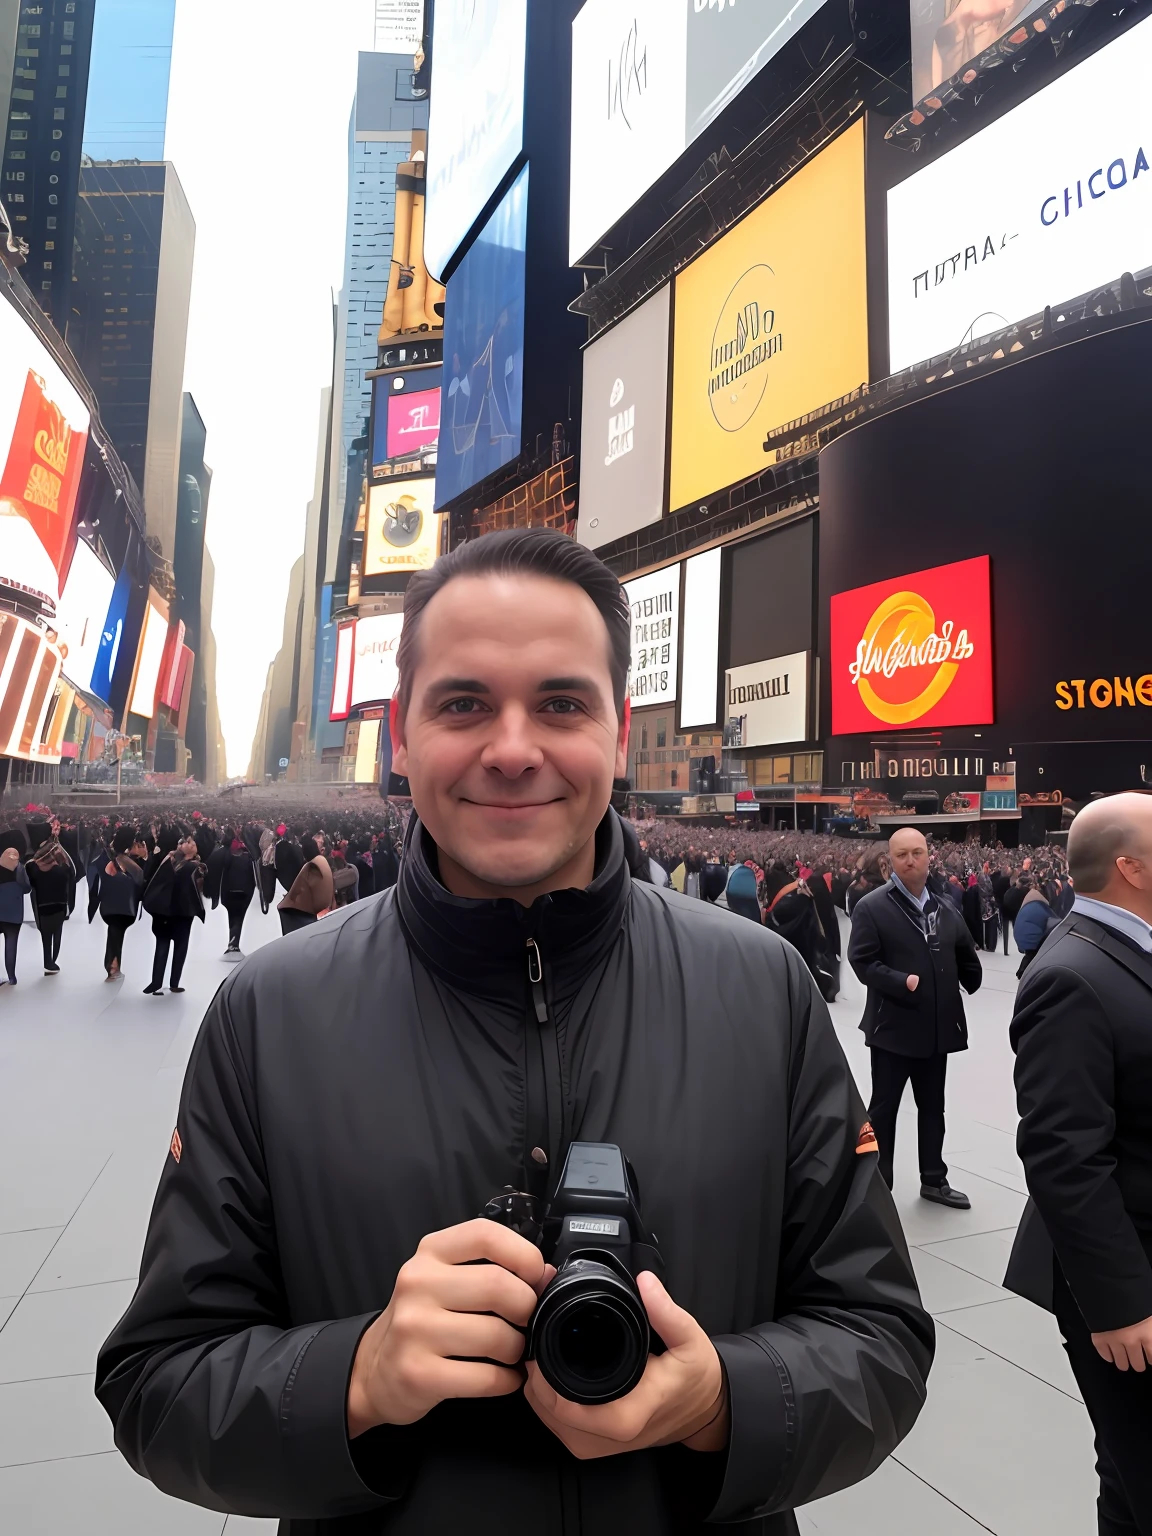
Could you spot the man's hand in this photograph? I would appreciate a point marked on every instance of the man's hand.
(681, 1396)
(911, 982)
(447, 1317)
(1126, 1348)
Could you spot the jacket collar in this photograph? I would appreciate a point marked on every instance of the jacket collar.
(482, 946)
(1122, 950)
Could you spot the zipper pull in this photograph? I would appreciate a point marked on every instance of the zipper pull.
(536, 979)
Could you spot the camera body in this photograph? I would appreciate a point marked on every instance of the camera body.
(589, 1334)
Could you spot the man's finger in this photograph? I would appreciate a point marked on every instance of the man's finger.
(484, 1239)
(1119, 1357)
(1136, 1357)
(676, 1327)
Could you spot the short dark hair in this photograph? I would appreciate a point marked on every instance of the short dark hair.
(523, 552)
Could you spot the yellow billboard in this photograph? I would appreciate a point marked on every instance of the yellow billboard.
(402, 531)
(771, 322)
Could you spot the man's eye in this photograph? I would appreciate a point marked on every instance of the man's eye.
(563, 706)
(462, 706)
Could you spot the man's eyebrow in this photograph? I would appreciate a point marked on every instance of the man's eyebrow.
(458, 685)
(567, 685)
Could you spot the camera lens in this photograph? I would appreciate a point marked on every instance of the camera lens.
(589, 1333)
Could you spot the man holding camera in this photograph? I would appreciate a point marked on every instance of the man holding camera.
(326, 1330)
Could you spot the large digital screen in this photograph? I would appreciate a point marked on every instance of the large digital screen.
(476, 116)
(374, 674)
(701, 643)
(1048, 202)
(342, 671)
(654, 601)
(947, 34)
(771, 322)
(647, 79)
(402, 532)
(405, 415)
(152, 642)
(80, 617)
(625, 425)
(766, 703)
(914, 651)
(43, 432)
(482, 410)
(114, 640)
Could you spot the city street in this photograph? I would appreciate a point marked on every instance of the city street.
(90, 1075)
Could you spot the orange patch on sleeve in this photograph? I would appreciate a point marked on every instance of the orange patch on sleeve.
(867, 1140)
(177, 1146)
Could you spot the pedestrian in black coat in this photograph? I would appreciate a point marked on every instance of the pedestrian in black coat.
(913, 952)
(230, 882)
(52, 876)
(290, 858)
(1083, 1040)
(115, 885)
(174, 901)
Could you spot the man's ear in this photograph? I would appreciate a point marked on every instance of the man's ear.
(622, 740)
(396, 724)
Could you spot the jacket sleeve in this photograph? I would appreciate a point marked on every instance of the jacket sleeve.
(214, 1395)
(824, 1391)
(968, 967)
(1065, 1087)
(864, 952)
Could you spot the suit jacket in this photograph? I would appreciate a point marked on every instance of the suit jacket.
(887, 946)
(1082, 1033)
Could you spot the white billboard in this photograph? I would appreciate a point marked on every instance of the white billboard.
(654, 601)
(647, 79)
(148, 662)
(701, 640)
(374, 674)
(80, 616)
(476, 115)
(1048, 202)
(766, 704)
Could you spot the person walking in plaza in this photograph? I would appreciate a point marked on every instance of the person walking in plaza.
(1082, 1035)
(230, 883)
(312, 893)
(114, 890)
(913, 952)
(52, 876)
(1034, 922)
(14, 886)
(173, 900)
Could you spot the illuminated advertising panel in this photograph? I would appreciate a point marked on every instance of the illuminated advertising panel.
(654, 601)
(402, 532)
(947, 34)
(413, 422)
(647, 79)
(1026, 212)
(342, 672)
(80, 617)
(766, 703)
(476, 116)
(112, 640)
(771, 322)
(914, 651)
(701, 640)
(43, 432)
(374, 674)
(29, 670)
(625, 425)
(153, 640)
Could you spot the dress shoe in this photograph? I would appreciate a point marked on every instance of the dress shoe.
(944, 1194)
(152, 991)
(177, 989)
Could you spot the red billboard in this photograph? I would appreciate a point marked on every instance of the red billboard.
(914, 651)
(413, 422)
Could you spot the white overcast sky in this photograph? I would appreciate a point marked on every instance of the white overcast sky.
(258, 131)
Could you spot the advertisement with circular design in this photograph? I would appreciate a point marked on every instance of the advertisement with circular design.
(403, 532)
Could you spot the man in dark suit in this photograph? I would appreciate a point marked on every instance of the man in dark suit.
(1082, 1032)
(913, 953)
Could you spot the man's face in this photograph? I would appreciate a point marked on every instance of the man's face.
(909, 855)
(510, 740)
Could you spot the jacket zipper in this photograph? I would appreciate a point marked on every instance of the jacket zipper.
(553, 1075)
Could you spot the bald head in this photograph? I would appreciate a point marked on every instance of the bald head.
(1110, 851)
(908, 855)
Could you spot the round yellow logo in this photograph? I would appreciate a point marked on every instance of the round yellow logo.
(744, 341)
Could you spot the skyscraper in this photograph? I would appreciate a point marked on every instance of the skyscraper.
(188, 569)
(128, 321)
(43, 140)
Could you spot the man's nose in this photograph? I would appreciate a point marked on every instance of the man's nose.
(512, 748)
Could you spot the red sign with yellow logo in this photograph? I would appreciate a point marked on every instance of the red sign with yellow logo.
(915, 651)
(42, 472)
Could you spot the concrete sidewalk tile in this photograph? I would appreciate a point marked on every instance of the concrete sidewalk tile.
(59, 1333)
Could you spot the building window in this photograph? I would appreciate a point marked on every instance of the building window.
(17, 154)
(59, 114)
(661, 731)
(61, 92)
(18, 133)
(57, 133)
(49, 245)
(675, 778)
(51, 223)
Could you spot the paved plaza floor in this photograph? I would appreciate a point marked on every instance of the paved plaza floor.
(90, 1076)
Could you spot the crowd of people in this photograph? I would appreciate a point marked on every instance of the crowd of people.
(145, 863)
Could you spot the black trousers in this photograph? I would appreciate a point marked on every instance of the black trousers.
(291, 921)
(51, 926)
(11, 940)
(236, 908)
(1005, 927)
(118, 926)
(890, 1075)
(1119, 1404)
(171, 932)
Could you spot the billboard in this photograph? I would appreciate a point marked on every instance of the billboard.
(342, 671)
(646, 81)
(654, 601)
(625, 425)
(771, 322)
(80, 616)
(43, 432)
(947, 34)
(702, 574)
(153, 639)
(29, 669)
(483, 402)
(766, 703)
(405, 415)
(402, 532)
(914, 651)
(374, 648)
(476, 116)
(1026, 212)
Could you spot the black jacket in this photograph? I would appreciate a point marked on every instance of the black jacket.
(174, 889)
(887, 946)
(115, 895)
(326, 1126)
(54, 888)
(1082, 1035)
(231, 877)
(290, 861)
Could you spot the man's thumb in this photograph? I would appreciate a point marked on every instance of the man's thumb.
(675, 1326)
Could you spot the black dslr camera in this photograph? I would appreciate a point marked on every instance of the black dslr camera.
(589, 1334)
